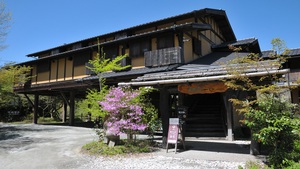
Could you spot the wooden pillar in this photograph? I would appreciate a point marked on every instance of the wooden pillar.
(165, 114)
(64, 115)
(181, 44)
(228, 106)
(36, 108)
(72, 108)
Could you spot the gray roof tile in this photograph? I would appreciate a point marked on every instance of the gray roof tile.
(236, 43)
(206, 71)
(138, 71)
(294, 52)
(217, 58)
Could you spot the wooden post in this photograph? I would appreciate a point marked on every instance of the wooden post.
(72, 108)
(36, 108)
(65, 109)
(228, 106)
(181, 44)
(165, 114)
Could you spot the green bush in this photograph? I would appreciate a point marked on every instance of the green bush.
(255, 165)
(125, 147)
(294, 166)
(273, 123)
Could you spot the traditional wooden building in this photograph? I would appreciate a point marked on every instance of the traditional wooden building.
(179, 55)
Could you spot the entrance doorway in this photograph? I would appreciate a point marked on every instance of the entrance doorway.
(206, 115)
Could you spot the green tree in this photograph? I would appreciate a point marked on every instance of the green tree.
(90, 105)
(9, 77)
(269, 115)
(99, 65)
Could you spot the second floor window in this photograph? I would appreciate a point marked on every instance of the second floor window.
(110, 51)
(165, 41)
(138, 47)
(43, 66)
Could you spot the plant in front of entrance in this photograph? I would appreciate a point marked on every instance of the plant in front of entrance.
(124, 114)
(270, 116)
(273, 123)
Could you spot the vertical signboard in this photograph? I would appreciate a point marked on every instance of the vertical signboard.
(173, 133)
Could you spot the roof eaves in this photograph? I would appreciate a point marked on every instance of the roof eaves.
(186, 26)
(192, 13)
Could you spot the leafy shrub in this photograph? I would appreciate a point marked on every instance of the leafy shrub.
(125, 147)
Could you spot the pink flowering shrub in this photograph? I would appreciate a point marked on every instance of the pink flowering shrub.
(124, 113)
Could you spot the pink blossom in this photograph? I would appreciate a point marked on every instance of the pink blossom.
(124, 115)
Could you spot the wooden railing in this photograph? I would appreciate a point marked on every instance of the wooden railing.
(163, 57)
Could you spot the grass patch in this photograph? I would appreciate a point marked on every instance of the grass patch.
(98, 148)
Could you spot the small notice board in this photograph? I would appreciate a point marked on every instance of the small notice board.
(173, 133)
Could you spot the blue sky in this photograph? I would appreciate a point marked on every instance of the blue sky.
(42, 24)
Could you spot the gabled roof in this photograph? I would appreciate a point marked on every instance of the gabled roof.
(208, 73)
(219, 15)
(131, 72)
(216, 58)
(248, 45)
(294, 52)
(291, 52)
(267, 53)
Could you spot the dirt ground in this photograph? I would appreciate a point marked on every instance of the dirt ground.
(42, 146)
(55, 147)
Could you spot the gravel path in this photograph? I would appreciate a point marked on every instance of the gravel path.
(157, 161)
(54, 147)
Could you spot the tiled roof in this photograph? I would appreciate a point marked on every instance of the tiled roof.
(206, 71)
(236, 43)
(267, 53)
(217, 58)
(219, 14)
(291, 52)
(294, 52)
(138, 71)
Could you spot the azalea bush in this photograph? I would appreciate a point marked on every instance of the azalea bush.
(124, 112)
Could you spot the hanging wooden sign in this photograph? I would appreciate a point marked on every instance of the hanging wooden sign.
(203, 88)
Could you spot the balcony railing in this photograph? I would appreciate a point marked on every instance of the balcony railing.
(294, 75)
(163, 57)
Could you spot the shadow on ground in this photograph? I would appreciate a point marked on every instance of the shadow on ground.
(217, 147)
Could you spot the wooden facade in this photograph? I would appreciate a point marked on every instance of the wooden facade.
(199, 38)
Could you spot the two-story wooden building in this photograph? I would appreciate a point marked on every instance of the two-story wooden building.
(179, 55)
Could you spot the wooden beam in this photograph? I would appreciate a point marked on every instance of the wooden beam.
(181, 44)
(64, 98)
(36, 108)
(206, 38)
(165, 114)
(203, 21)
(72, 108)
(228, 107)
(65, 109)
(29, 100)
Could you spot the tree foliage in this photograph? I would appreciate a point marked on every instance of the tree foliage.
(124, 113)
(269, 115)
(99, 65)
(9, 77)
(129, 110)
(90, 105)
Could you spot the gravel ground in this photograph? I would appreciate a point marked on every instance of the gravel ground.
(157, 161)
(50, 147)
